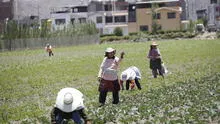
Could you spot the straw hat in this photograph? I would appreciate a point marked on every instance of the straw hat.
(69, 99)
(109, 49)
(154, 44)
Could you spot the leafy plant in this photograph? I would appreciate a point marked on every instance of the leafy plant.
(30, 80)
(118, 31)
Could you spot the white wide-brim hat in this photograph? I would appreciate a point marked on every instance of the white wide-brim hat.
(109, 49)
(69, 99)
(124, 76)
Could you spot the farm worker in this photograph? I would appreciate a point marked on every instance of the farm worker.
(48, 49)
(131, 75)
(155, 60)
(108, 76)
(69, 106)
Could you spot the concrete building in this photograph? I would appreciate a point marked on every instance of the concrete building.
(108, 15)
(24, 9)
(129, 15)
(61, 17)
(209, 9)
(167, 15)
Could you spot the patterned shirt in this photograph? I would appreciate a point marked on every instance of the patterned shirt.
(109, 69)
(154, 53)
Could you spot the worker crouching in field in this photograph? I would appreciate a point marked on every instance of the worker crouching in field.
(48, 49)
(132, 76)
(69, 106)
(108, 76)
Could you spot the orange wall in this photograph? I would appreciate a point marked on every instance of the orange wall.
(169, 24)
(143, 17)
(132, 27)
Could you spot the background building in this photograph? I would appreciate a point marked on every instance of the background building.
(209, 9)
(165, 14)
(108, 15)
(6, 12)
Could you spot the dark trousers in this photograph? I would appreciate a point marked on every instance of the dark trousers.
(103, 95)
(156, 67)
(155, 72)
(50, 53)
(136, 82)
(75, 117)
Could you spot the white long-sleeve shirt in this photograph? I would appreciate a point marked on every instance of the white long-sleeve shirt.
(109, 68)
(131, 73)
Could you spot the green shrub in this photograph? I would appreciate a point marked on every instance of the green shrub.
(114, 38)
(105, 35)
(118, 31)
(218, 34)
(133, 33)
(161, 32)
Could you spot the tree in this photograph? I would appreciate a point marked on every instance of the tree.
(155, 26)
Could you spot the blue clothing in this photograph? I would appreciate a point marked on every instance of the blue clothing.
(59, 116)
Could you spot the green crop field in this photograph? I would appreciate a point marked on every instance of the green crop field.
(190, 93)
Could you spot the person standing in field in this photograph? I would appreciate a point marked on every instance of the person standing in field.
(69, 106)
(155, 60)
(48, 49)
(131, 75)
(108, 76)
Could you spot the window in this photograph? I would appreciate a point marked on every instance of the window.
(156, 16)
(108, 7)
(213, 1)
(147, 5)
(108, 19)
(82, 20)
(143, 28)
(60, 21)
(201, 13)
(120, 19)
(82, 9)
(79, 9)
(75, 9)
(171, 15)
(99, 19)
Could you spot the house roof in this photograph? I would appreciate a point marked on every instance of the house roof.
(179, 9)
(168, 8)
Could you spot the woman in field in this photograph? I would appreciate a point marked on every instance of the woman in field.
(48, 49)
(69, 106)
(131, 76)
(155, 60)
(108, 76)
